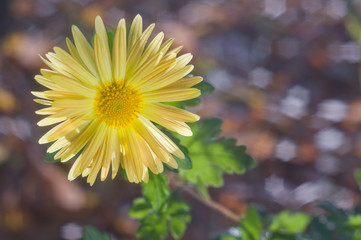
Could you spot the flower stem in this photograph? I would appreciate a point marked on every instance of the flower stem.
(214, 205)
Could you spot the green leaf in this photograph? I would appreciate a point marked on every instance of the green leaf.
(156, 191)
(110, 35)
(228, 237)
(177, 227)
(357, 175)
(190, 103)
(178, 215)
(140, 208)
(185, 163)
(50, 157)
(152, 227)
(212, 157)
(91, 233)
(335, 215)
(355, 220)
(353, 25)
(205, 87)
(289, 223)
(251, 225)
(154, 224)
(159, 211)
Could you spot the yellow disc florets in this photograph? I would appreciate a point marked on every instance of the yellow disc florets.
(117, 104)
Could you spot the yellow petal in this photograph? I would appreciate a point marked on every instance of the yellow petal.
(78, 142)
(120, 51)
(74, 52)
(136, 51)
(43, 102)
(146, 69)
(162, 155)
(58, 144)
(69, 126)
(145, 177)
(127, 160)
(159, 137)
(152, 48)
(116, 155)
(169, 112)
(166, 45)
(47, 111)
(182, 61)
(171, 95)
(39, 94)
(47, 83)
(89, 151)
(135, 154)
(172, 162)
(97, 163)
(85, 51)
(107, 154)
(174, 51)
(44, 138)
(175, 126)
(102, 54)
(66, 63)
(185, 83)
(73, 85)
(85, 104)
(50, 121)
(157, 72)
(47, 73)
(147, 156)
(54, 95)
(56, 68)
(166, 79)
(135, 32)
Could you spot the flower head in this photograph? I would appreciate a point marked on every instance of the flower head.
(105, 101)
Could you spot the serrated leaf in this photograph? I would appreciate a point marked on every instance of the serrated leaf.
(178, 215)
(50, 157)
(205, 87)
(335, 215)
(289, 223)
(251, 225)
(190, 103)
(212, 157)
(185, 163)
(91, 233)
(140, 208)
(172, 217)
(152, 227)
(156, 191)
(177, 227)
(320, 228)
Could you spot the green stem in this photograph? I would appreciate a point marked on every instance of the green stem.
(214, 205)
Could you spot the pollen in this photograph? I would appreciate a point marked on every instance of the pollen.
(117, 104)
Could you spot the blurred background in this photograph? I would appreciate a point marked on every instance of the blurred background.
(286, 74)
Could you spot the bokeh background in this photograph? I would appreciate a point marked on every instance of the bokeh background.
(286, 74)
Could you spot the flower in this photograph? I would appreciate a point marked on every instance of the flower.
(105, 101)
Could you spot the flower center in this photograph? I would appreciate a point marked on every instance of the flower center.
(117, 104)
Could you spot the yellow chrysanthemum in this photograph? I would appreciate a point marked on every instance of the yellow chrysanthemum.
(104, 103)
